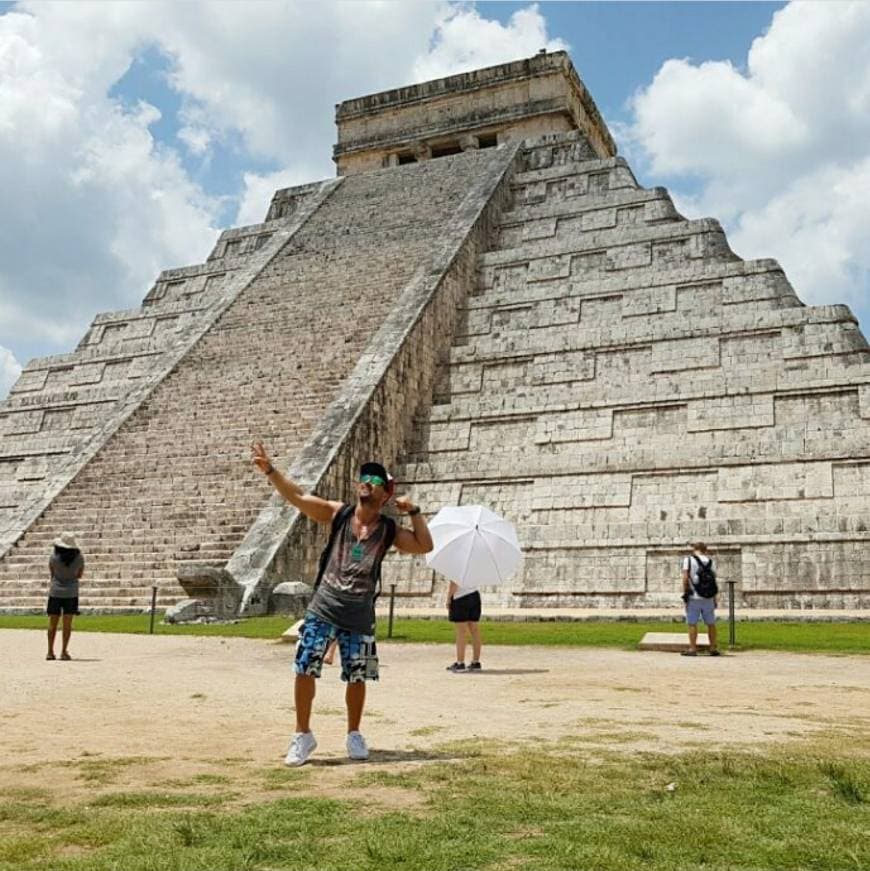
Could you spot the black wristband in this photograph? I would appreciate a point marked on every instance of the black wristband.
(414, 511)
(269, 470)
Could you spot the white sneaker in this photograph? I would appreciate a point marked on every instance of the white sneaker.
(301, 747)
(356, 746)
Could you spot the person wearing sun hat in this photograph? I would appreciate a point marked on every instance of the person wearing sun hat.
(65, 567)
(342, 608)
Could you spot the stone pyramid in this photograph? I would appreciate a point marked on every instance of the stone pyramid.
(487, 299)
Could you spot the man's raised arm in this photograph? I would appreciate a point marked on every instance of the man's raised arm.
(317, 509)
(417, 539)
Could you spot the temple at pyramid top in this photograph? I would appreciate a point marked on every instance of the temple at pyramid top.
(484, 108)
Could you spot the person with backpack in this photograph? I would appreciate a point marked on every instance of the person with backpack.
(699, 593)
(342, 608)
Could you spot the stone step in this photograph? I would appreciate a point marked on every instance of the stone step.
(134, 541)
(119, 568)
(94, 597)
(818, 331)
(579, 408)
(574, 252)
(540, 220)
(488, 459)
(139, 526)
(106, 564)
(117, 605)
(612, 169)
(142, 350)
(560, 301)
(619, 316)
(741, 281)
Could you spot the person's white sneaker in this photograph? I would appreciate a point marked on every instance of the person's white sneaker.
(356, 746)
(301, 747)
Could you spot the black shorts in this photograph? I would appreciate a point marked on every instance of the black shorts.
(58, 605)
(465, 609)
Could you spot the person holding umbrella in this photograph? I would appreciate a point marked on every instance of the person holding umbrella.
(343, 605)
(473, 547)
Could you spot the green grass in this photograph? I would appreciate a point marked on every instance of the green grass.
(156, 799)
(138, 624)
(797, 637)
(494, 810)
(793, 636)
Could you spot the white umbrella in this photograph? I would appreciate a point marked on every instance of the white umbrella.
(473, 546)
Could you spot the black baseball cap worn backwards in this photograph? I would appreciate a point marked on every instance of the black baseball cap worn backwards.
(373, 469)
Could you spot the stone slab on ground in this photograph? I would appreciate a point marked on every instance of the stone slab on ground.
(672, 642)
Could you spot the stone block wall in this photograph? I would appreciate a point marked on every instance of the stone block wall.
(622, 384)
(535, 97)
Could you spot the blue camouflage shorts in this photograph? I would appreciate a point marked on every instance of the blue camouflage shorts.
(359, 653)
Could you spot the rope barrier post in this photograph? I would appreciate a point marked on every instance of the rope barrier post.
(392, 606)
(153, 609)
(732, 628)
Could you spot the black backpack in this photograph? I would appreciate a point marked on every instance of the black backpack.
(706, 586)
(341, 517)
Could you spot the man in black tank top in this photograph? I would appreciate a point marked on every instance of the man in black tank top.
(342, 607)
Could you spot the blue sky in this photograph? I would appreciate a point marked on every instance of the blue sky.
(131, 133)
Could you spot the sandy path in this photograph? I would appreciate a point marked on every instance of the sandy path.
(191, 706)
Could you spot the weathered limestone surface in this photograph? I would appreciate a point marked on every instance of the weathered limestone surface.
(375, 409)
(64, 408)
(171, 483)
(505, 103)
(623, 384)
(521, 326)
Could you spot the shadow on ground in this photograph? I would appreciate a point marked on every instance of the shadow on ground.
(380, 757)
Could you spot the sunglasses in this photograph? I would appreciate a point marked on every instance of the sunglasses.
(374, 480)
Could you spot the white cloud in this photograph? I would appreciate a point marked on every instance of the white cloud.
(716, 120)
(101, 206)
(465, 41)
(823, 239)
(197, 139)
(272, 72)
(780, 152)
(10, 369)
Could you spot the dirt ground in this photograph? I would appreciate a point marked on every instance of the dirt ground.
(133, 712)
